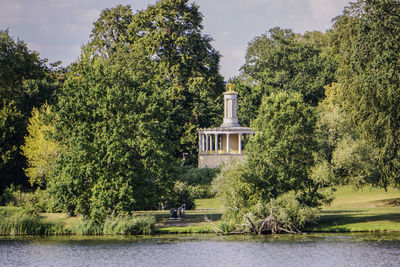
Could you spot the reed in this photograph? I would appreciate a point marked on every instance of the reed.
(120, 225)
(130, 225)
(14, 221)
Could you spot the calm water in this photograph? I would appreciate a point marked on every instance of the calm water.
(203, 250)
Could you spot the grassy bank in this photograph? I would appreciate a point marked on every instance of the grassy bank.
(366, 210)
(15, 221)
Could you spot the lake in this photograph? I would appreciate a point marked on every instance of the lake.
(203, 250)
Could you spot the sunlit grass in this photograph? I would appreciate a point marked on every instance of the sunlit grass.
(209, 203)
(365, 210)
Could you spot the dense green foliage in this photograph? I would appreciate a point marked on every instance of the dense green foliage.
(39, 149)
(282, 60)
(130, 106)
(163, 46)
(32, 202)
(25, 82)
(21, 73)
(325, 108)
(116, 155)
(197, 180)
(368, 34)
(278, 171)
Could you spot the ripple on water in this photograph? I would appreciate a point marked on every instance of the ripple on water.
(203, 250)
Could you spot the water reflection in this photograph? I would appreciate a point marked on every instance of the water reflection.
(204, 250)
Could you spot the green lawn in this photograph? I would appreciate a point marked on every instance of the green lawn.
(368, 209)
(207, 215)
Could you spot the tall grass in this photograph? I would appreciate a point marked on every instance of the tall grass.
(14, 221)
(121, 225)
(88, 227)
(130, 225)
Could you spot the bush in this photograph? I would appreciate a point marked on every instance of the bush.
(31, 202)
(196, 176)
(181, 195)
(198, 180)
(13, 196)
(201, 191)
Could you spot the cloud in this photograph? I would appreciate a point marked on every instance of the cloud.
(57, 28)
(322, 9)
(10, 12)
(91, 15)
(33, 46)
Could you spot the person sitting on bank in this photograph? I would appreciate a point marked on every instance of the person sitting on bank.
(173, 213)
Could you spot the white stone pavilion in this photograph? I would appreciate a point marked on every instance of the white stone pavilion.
(219, 145)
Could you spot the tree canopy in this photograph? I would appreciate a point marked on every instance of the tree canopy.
(131, 105)
(279, 165)
(368, 34)
(25, 82)
(163, 45)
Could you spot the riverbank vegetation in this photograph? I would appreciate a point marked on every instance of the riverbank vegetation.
(363, 210)
(115, 132)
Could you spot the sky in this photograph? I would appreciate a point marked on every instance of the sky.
(57, 28)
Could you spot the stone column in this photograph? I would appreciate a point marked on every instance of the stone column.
(206, 143)
(200, 146)
(216, 144)
(203, 142)
(240, 144)
(211, 143)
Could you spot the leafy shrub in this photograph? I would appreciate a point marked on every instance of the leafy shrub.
(196, 176)
(181, 195)
(13, 196)
(198, 180)
(201, 191)
(32, 202)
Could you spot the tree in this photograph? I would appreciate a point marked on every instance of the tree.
(11, 160)
(283, 60)
(368, 36)
(164, 45)
(116, 157)
(25, 82)
(280, 167)
(135, 97)
(111, 30)
(39, 149)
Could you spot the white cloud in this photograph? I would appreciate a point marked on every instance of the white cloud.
(90, 15)
(322, 9)
(57, 28)
(33, 46)
(71, 28)
(9, 13)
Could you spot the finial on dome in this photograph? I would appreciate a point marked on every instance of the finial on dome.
(229, 87)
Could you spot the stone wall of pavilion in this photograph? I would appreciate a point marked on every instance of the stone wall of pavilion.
(215, 161)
